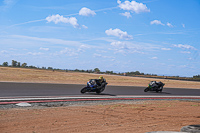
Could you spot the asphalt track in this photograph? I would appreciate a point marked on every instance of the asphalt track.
(71, 92)
(8, 89)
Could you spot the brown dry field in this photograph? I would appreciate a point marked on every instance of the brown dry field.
(48, 76)
(118, 117)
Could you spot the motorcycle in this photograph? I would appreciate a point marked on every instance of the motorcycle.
(93, 86)
(155, 86)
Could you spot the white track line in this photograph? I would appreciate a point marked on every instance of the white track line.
(59, 98)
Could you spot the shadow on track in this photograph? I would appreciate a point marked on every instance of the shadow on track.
(158, 92)
(99, 94)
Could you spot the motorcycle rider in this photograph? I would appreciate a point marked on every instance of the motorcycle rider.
(102, 82)
(154, 84)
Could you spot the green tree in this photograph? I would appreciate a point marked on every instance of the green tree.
(32, 67)
(90, 71)
(5, 64)
(24, 65)
(18, 64)
(44, 68)
(50, 68)
(96, 70)
(76, 70)
(137, 73)
(109, 72)
(196, 76)
(14, 63)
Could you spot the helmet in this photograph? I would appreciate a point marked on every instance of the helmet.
(101, 78)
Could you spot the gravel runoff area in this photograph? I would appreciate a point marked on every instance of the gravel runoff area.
(135, 116)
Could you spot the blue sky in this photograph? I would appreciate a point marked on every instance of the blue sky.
(150, 36)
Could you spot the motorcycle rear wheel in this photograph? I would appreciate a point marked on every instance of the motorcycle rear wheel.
(191, 129)
(98, 91)
(160, 89)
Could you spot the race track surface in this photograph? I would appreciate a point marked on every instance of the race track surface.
(8, 89)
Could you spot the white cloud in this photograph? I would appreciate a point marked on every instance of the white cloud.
(101, 56)
(165, 48)
(73, 51)
(85, 27)
(4, 52)
(185, 52)
(154, 58)
(86, 12)
(157, 22)
(126, 14)
(97, 55)
(118, 33)
(69, 52)
(126, 47)
(119, 45)
(185, 46)
(45, 49)
(60, 19)
(133, 6)
(82, 48)
(183, 25)
(183, 66)
(56, 19)
(169, 25)
(20, 39)
(36, 53)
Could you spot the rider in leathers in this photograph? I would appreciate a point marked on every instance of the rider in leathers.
(102, 82)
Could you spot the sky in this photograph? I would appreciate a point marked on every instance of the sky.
(151, 36)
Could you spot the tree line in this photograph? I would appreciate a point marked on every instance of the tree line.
(23, 65)
(95, 70)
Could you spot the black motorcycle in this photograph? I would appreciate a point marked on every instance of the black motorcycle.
(155, 86)
(94, 85)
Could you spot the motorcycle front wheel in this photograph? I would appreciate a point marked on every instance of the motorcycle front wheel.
(84, 90)
(147, 89)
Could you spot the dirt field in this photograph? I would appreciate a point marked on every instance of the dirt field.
(48, 76)
(132, 117)
(127, 117)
